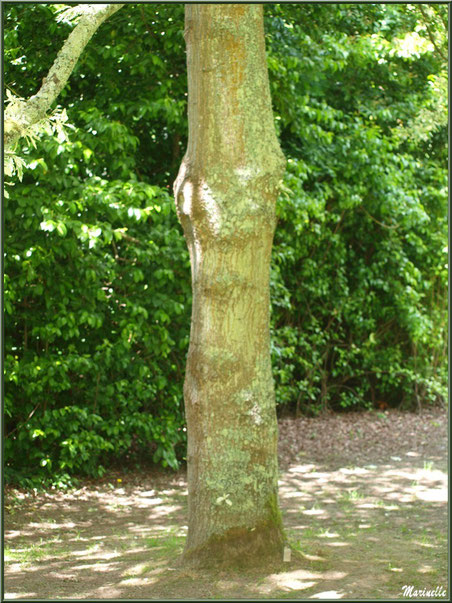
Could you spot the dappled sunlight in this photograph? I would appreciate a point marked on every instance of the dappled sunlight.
(114, 532)
(146, 494)
(314, 512)
(154, 501)
(386, 485)
(107, 592)
(313, 557)
(137, 581)
(14, 568)
(298, 579)
(288, 583)
(142, 530)
(337, 518)
(92, 553)
(166, 510)
(422, 543)
(328, 534)
(354, 470)
(434, 495)
(96, 566)
(303, 468)
(17, 533)
(52, 526)
(123, 542)
(328, 594)
(426, 569)
(372, 512)
(142, 568)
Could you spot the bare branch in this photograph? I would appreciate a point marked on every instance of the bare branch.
(19, 116)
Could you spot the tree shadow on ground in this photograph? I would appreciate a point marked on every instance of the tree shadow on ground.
(361, 531)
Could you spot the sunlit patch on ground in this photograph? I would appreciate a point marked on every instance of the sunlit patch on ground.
(328, 594)
(359, 529)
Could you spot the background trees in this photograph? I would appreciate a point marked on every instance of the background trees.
(97, 281)
(358, 299)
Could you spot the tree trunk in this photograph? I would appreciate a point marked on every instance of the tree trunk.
(225, 195)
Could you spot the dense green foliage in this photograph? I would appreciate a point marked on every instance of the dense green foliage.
(359, 261)
(97, 278)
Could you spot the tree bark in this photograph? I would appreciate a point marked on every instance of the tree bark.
(225, 194)
(21, 115)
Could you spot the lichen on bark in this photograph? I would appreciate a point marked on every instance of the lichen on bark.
(21, 115)
(225, 197)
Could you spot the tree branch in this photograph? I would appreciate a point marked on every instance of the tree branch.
(393, 227)
(23, 114)
(437, 10)
(430, 34)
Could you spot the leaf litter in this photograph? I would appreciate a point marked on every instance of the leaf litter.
(364, 501)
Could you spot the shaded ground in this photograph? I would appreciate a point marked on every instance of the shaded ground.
(363, 498)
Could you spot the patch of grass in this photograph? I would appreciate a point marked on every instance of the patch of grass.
(26, 554)
(412, 577)
(355, 495)
(350, 497)
(326, 533)
(394, 568)
(77, 534)
(138, 570)
(441, 536)
(166, 545)
(294, 542)
(308, 547)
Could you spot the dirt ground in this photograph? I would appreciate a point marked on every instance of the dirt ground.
(364, 500)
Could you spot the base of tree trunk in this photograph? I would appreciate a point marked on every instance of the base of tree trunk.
(240, 547)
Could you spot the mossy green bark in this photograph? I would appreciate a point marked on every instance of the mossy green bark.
(225, 195)
(241, 547)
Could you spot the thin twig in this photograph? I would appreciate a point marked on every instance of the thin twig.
(23, 422)
(380, 223)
